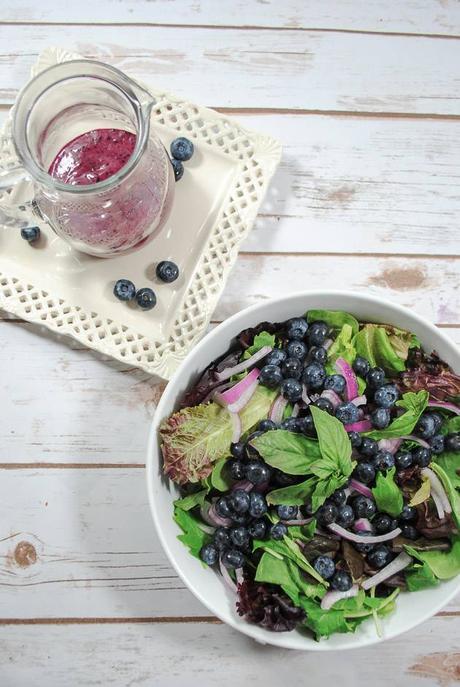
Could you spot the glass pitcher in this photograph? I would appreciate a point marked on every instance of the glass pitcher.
(106, 214)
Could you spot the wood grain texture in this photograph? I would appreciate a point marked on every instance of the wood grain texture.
(418, 16)
(180, 655)
(258, 68)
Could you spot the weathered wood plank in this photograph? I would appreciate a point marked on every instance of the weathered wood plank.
(317, 70)
(178, 655)
(362, 15)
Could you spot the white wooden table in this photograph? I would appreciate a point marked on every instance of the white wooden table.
(364, 95)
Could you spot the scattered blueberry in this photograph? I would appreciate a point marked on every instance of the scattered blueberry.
(317, 354)
(239, 501)
(313, 376)
(379, 557)
(287, 512)
(335, 383)
(240, 537)
(237, 449)
(124, 290)
(223, 507)
(345, 517)
(409, 531)
(361, 366)
(380, 418)
(375, 377)
(363, 507)
(364, 472)
(408, 514)
(327, 513)
(369, 447)
(182, 149)
(341, 581)
(267, 425)
(278, 531)
(209, 554)
(437, 443)
(292, 424)
(232, 558)
(324, 566)
(146, 299)
(30, 234)
(362, 547)
(257, 505)
(422, 457)
(291, 368)
(237, 469)
(386, 396)
(221, 538)
(403, 460)
(339, 497)
(167, 271)
(317, 333)
(296, 349)
(383, 523)
(276, 357)
(178, 169)
(291, 390)
(271, 376)
(257, 529)
(296, 328)
(453, 442)
(355, 439)
(384, 460)
(324, 404)
(347, 413)
(257, 472)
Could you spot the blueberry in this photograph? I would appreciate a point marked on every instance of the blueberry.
(324, 566)
(182, 149)
(317, 333)
(221, 538)
(237, 449)
(252, 436)
(403, 460)
(276, 357)
(363, 507)
(421, 456)
(317, 354)
(257, 472)
(240, 518)
(292, 367)
(364, 472)
(30, 234)
(282, 479)
(438, 421)
(379, 557)
(307, 426)
(380, 418)
(386, 396)
(327, 513)
(361, 366)
(178, 169)
(324, 404)
(291, 389)
(223, 507)
(453, 442)
(240, 537)
(384, 460)
(346, 517)
(267, 425)
(146, 299)
(257, 529)
(292, 424)
(287, 512)
(408, 514)
(296, 349)
(232, 558)
(278, 531)
(257, 505)
(239, 501)
(167, 271)
(339, 497)
(209, 554)
(271, 376)
(335, 383)
(375, 378)
(437, 444)
(355, 439)
(341, 581)
(383, 523)
(426, 426)
(347, 413)
(313, 376)
(409, 531)
(124, 290)
(369, 447)
(362, 547)
(296, 328)
(237, 469)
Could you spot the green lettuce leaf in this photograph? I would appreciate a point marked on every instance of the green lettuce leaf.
(451, 425)
(193, 536)
(260, 340)
(422, 494)
(387, 494)
(334, 318)
(364, 344)
(219, 478)
(195, 438)
(342, 347)
(288, 549)
(292, 453)
(385, 346)
(192, 500)
(452, 493)
(414, 404)
(443, 564)
(295, 495)
(450, 463)
(420, 576)
(286, 574)
(385, 354)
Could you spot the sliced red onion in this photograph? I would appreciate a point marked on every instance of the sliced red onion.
(206, 528)
(209, 515)
(241, 367)
(360, 488)
(351, 389)
(244, 484)
(396, 565)
(235, 392)
(445, 406)
(303, 521)
(358, 539)
(226, 575)
(305, 397)
(438, 503)
(328, 343)
(295, 410)
(217, 390)
(417, 440)
(361, 426)
(362, 525)
(436, 486)
(236, 426)
(277, 409)
(332, 397)
(390, 445)
(347, 492)
(331, 598)
(359, 400)
(239, 575)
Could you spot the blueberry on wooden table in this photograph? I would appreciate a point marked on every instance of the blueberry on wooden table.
(146, 298)
(167, 271)
(178, 168)
(182, 149)
(30, 234)
(124, 290)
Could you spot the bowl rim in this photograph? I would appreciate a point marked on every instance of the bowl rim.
(248, 629)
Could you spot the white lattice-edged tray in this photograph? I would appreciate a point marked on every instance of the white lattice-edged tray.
(215, 206)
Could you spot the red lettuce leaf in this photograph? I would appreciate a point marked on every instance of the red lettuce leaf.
(266, 605)
(431, 373)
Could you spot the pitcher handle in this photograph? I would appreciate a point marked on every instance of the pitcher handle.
(16, 208)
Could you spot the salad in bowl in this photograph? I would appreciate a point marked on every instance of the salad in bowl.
(315, 466)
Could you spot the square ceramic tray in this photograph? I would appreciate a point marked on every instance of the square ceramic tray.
(215, 206)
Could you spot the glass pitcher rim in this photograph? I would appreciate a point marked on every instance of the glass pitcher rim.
(130, 92)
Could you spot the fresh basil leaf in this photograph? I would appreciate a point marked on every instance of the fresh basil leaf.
(414, 404)
(334, 318)
(192, 500)
(193, 536)
(452, 494)
(295, 495)
(387, 494)
(385, 353)
(334, 442)
(342, 347)
(450, 463)
(303, 532)
(219, 479)
(310, 590)
(260, 340)
(422, 494)
(326, 488)
(443, 564)
(292, 453)
(420, 577)
(451, 425)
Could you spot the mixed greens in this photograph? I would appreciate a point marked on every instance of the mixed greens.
(319, 465)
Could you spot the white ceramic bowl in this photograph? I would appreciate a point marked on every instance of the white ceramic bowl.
(208, 587)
